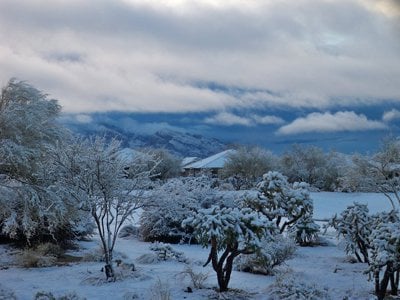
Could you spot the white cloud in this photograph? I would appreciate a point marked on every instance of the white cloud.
(228, 119)
(328, 122)
(308, 53)
(391, 115)
(268, 120)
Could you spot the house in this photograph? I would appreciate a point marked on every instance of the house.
(211, 165)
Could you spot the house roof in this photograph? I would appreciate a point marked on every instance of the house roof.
(189, 160)
(215, 161)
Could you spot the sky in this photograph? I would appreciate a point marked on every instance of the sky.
(257, 71)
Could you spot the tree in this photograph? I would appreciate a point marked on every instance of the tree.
(247, 164)
(31, 206)
(380, 172)
(94, 173)
(164, 164)
(282, 202)
(385, 255)
(355, 225)
(311, 165)
(232, 231)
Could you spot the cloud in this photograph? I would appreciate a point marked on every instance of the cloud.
(328, 122)
(228, 119)
(391, 115)
(142, 56)
(268, 120)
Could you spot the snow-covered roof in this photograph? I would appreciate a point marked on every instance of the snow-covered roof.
(189, 160)
(215, 161)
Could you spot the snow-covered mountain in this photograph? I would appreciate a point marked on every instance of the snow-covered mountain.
(179, 143)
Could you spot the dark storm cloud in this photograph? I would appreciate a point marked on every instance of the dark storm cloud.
(147, 55)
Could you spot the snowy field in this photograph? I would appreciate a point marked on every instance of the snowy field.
(324, 266)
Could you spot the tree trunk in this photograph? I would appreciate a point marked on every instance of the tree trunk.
(384, 283)
(394, 283)
(108, 268)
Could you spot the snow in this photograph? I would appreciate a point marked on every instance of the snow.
(323, 266)
(215, 161)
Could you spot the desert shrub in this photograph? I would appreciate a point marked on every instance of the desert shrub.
(305, 231)
(32, 259)
(49, 296)
(50, 249)
(43, 255)
(197, 278)
(166, 252)
(290, 287)
(160, 291)
(272, 253)
(128, 231)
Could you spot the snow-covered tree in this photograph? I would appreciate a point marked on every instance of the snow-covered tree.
(355, 225)
(162, 163)
(385, 256)
(247, 164)
(173, 202)
(311, 165)
(94, 173)
(31, 208)
(282, 202)
(228, 232)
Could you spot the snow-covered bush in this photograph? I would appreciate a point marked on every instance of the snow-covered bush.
(171, 204)
(160, 290)
(282, 202)
(166, 252)
(128, 231)
(354, 225)
(290, 287)
(197, 278)
(272, 253)
(232, 231)
(305, 231)
(49, 296)
(385, 256)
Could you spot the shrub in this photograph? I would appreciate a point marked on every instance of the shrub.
(43, 255)
(128, 231)
(49, 296)
(290, 287)
(305, 231)
(273, 253)
(166, 252)
(197, 278)
(172, 203)
(160, 291)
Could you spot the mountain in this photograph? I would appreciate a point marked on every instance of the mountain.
(179, 143)
(182, 144)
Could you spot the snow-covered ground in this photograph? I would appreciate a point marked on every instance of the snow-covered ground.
(323, 266)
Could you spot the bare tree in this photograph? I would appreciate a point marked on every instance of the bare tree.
(95, 173)
(247, 164)
(379, 172)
